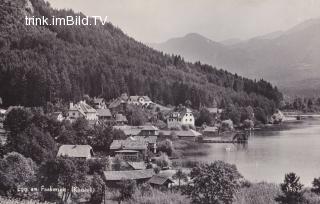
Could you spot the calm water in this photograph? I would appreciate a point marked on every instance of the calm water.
(270, 154)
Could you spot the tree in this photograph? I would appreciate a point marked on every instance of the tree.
(204, 117)
(316, 186)
(98, 185)
(98, 165)
(17, 120)
(163, 161)
(126, 190)
(16, 171)
(136, 115)
(181, 176)
(33, 143)
(166, 146)
(213, 183)
(291, 190)
(63, 172)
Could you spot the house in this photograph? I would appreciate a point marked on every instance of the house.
(210, 131)
(151, 141)
(99, 103)
(112, 178)
(146, 130)
(129, 149)
(76, 151)
(160, 181)
(149, 130)
(119, 104)
(121, 119)
(181, 134)
(128, 130)
(129, 155)
(82, 110)
(140, 100)
(178, 119)
(137, 165)
(104, 114)
(57, 116)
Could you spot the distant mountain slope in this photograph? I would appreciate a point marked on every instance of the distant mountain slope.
(286, 58)
(47, 63)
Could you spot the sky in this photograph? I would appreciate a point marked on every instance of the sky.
(154, 21)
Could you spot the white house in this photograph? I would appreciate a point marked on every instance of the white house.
(82, 109)
(139, 100)
(76, 151)
(178, 119)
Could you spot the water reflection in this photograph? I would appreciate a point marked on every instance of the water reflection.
(270, 154)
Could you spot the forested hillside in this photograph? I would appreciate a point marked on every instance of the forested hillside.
(47, 63)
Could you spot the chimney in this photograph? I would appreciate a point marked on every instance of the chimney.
(71, 105)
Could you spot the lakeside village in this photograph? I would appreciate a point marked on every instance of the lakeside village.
(128, 138)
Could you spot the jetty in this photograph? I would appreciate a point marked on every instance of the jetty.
(241, 138)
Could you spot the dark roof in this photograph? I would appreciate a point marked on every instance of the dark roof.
(80, 151)
(137, 165)
(147, 139)
(128, 175)
(160, 180)
(128, 145)
(104, 112)
(135, 130)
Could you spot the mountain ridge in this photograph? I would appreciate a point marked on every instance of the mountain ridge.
(283, 57)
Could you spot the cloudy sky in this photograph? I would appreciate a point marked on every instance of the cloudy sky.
(158, 20)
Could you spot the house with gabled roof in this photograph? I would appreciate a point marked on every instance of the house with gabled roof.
(119, 104)
(99, 103)
(113, 178)
(179, 118)
(181, 134)
(140, 100)
(104, 114)
(82, 110)
(121, 119)
(144, 130)
(76, 151)
(160, 181)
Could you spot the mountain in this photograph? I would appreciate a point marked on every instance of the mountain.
(286, 58)
(41, 64)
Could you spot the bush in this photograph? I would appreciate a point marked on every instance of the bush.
(163, 161)
(166, 146)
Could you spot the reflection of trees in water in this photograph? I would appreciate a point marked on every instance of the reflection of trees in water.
(241, 146)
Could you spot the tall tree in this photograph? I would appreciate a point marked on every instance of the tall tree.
(291, 190)
(213, 183)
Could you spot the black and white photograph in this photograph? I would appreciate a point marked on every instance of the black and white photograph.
(160, 102)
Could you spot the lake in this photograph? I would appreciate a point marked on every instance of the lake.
(270, 154)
